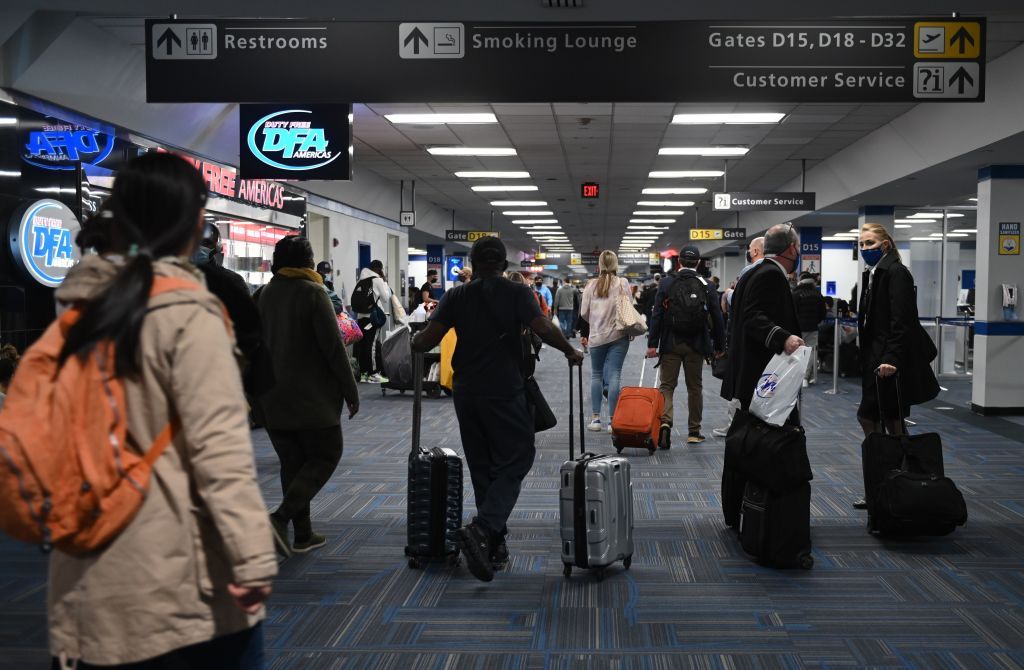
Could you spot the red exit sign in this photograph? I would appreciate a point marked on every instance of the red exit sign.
(590, 189)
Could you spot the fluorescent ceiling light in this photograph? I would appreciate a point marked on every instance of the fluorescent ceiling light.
(939, 235)
(665, 203)
(492, 174)
(854, 230)
(688, 190)
(502, 187)
(441, 118)
(663, 212)
(729, 118)
(925, 239)
(519, 203)
(907, 220)
(973, 199)
(533, 221)
(702, 151)
(683, 174)
(934, 215)
(903, 225)
(527, 212)
(471, 151)
(413, 251)
(832, 238)
(652, 220)
(648, 227)
(965, 230)
(542, 228)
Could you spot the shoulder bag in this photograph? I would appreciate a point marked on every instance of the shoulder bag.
(627, 319)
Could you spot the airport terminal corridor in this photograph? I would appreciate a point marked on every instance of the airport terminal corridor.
(692, 598)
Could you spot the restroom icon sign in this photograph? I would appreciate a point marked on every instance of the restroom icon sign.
(199, 42)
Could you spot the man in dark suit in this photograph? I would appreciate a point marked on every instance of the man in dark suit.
(763, 319)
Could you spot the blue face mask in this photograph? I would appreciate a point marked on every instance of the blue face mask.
(201, 256)
(872, 256)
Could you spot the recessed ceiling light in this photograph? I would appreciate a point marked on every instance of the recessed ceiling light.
(541, 228)
(729, 118)
(973, 199)
(854, 230)
(939, 235)
(663, 212)
(832, 238)
(965, 230)
(688, 190)
(934, 215)
(665, 203)
(907, 221)
(528, 212)
(441, 118)
(648, 227)
(683, 174)
(471, 151)
(925, 239)
(502, 187)
(492, 174)
(702, 151)
(519, 203)
(533, 221)
(903, 225)
(652, 220)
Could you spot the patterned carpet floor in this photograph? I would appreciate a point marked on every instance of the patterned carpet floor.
(692, 598)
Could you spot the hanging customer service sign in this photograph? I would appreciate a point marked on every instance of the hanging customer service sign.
(42, 236)
(298, 142)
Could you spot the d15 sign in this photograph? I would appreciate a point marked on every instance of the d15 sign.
(763, 202)
(295, 142)
(42, 238)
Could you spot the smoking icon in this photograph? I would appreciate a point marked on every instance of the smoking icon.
(447, 39)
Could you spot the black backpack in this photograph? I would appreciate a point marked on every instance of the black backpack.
(688, 304)
(363, 299)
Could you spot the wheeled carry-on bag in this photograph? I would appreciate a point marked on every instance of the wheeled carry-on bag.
(905, 484)
(434, 500)
(776, 528)
(596, 504)
(637, 418)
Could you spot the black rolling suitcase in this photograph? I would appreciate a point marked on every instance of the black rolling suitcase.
(434, 499)
(775, 528)
(905, 484)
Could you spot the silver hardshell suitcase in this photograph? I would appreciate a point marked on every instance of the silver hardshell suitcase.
(596, 505)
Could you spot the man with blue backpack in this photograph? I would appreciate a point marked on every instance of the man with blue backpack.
(686, 329)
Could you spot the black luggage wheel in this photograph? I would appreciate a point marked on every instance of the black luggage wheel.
(651, 450)
(415, 564)
(627, 561)
(434, 392)
(806, 562)
(600, 574)
(567, 570)
(618, 450)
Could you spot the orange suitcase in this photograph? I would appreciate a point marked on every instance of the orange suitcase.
(637, 418)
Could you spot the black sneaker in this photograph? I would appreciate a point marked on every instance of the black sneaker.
(665, 436)
(476, 547)
(695, 438)
(279, 529)
(499, 555)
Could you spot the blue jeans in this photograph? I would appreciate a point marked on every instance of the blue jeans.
(565, 321)
(605, 372)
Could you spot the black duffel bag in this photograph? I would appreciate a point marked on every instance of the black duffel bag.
(912, 501)
(772, 456)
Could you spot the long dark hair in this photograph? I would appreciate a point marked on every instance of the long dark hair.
(152, 212)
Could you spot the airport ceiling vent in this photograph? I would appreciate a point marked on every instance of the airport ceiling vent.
(562, 3)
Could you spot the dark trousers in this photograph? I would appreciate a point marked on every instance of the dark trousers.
(363, 349)
(498, 440)
(308, 459)
(238, 651)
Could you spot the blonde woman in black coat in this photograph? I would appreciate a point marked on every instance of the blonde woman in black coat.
(894, 348)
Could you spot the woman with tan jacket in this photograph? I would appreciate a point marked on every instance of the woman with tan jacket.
(184, 583)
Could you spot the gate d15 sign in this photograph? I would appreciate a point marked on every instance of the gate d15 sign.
(42, 236)
(295, 142)
(848, 60)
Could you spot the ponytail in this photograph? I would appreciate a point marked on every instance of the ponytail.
(883, 234)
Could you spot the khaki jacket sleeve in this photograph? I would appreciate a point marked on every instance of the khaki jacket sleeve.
(207, 393)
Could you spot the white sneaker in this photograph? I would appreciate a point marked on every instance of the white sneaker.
(594, 425)
(720, 432)
(377, 378)
(609, 428)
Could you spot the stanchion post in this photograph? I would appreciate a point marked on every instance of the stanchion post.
(835, 361)
(938, 343)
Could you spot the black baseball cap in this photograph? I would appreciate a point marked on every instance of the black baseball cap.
(689, 253)
(488, 249)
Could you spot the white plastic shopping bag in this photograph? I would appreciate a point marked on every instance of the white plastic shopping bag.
(778, 388)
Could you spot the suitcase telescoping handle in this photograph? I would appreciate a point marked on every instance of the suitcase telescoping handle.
(899, 402)
(572, 446)
(417, 401)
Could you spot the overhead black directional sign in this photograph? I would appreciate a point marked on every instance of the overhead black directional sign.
(746, 201)
(870, 60)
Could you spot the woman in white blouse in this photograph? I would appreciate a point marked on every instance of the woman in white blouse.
(608, 345)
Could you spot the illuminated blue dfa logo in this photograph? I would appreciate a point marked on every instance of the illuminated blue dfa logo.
(44, 245)
(292, 139)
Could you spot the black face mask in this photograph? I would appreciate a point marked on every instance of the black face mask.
(749, 258)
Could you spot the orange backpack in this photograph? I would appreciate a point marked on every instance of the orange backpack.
(67, 476)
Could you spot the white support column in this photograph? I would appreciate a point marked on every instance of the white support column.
(998, 341)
